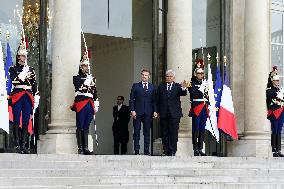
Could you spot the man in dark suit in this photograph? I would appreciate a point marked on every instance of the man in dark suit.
(121, 116)
(143, 109)
(169, 111)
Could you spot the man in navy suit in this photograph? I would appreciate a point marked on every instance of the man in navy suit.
(143, 109)
(169, 111)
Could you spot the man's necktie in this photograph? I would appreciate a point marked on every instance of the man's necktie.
(169, 87)
(145, 87)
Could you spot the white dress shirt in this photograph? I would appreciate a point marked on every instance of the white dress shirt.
(119, 106)
(143, 83)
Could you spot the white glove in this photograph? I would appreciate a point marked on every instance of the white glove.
(97, 104)
(280, 95)
(281, 90)
(88, 81)
(203, 86)
(37, 98)
(24, 73)
(22, 76)
(26, 69)
(89, 76)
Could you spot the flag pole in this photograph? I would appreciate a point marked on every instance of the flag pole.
(208, 58)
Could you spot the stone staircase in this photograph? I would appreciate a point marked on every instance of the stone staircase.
(77, 171)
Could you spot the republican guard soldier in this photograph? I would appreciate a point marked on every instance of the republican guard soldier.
(198, 90)
(85, 103)
(274, 102)
(23, 78)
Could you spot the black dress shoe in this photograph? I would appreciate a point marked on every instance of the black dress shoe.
(275, 154)
(136, 153)
(18, 149)
(201, 153)
(147, 153)
(280, 154)
(196, 153)
(86, 151)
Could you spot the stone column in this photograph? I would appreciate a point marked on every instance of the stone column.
(256, 140)
(179, 58)
(66, 52)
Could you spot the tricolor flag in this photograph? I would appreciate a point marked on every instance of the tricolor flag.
(227, 120)
(218, 90)
(211, 123)
(4, 121)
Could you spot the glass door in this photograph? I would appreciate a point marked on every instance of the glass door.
(159, 37)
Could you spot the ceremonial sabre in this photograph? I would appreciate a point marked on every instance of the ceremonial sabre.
(87, 53)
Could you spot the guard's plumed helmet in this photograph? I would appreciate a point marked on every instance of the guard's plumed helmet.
(22, 50)
(199, 66)
(85, 59)
(274, 74)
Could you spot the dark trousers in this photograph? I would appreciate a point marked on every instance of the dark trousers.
(22, 106)
(117, 143)
(146, 120)
(276, 126)
(120, 137)
(85, 117)
(199, 122)
(170, 127)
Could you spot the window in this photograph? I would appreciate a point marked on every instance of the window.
(277, 42)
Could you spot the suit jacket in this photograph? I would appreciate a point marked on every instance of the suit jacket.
(142, 102)
(121, 117)
(120, 123)
(168, 102)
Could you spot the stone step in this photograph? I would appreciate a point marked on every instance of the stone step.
(138, 172)
(162, 186)
(75, 157)
(99, 165)
(77, 171)
(122, 164)
(134, 180)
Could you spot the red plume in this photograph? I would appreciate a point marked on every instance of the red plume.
(89, 53)
(200, 63)
(274, 68)
(26, 40)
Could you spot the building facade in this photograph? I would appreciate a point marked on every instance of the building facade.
(128, 35)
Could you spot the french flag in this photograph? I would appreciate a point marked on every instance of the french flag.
(227, 120)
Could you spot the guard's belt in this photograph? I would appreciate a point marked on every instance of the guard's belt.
(23, 87)
(199, 100)
(84, 94)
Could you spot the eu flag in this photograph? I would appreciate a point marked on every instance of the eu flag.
(218, 90)
(8, 64)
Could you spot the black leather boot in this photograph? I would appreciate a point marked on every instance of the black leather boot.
(194, 143)
(79, 137)
(85, 143)
(17, 137)
(24, 149)
(200, 143)
(278, 146)
(273, 145)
